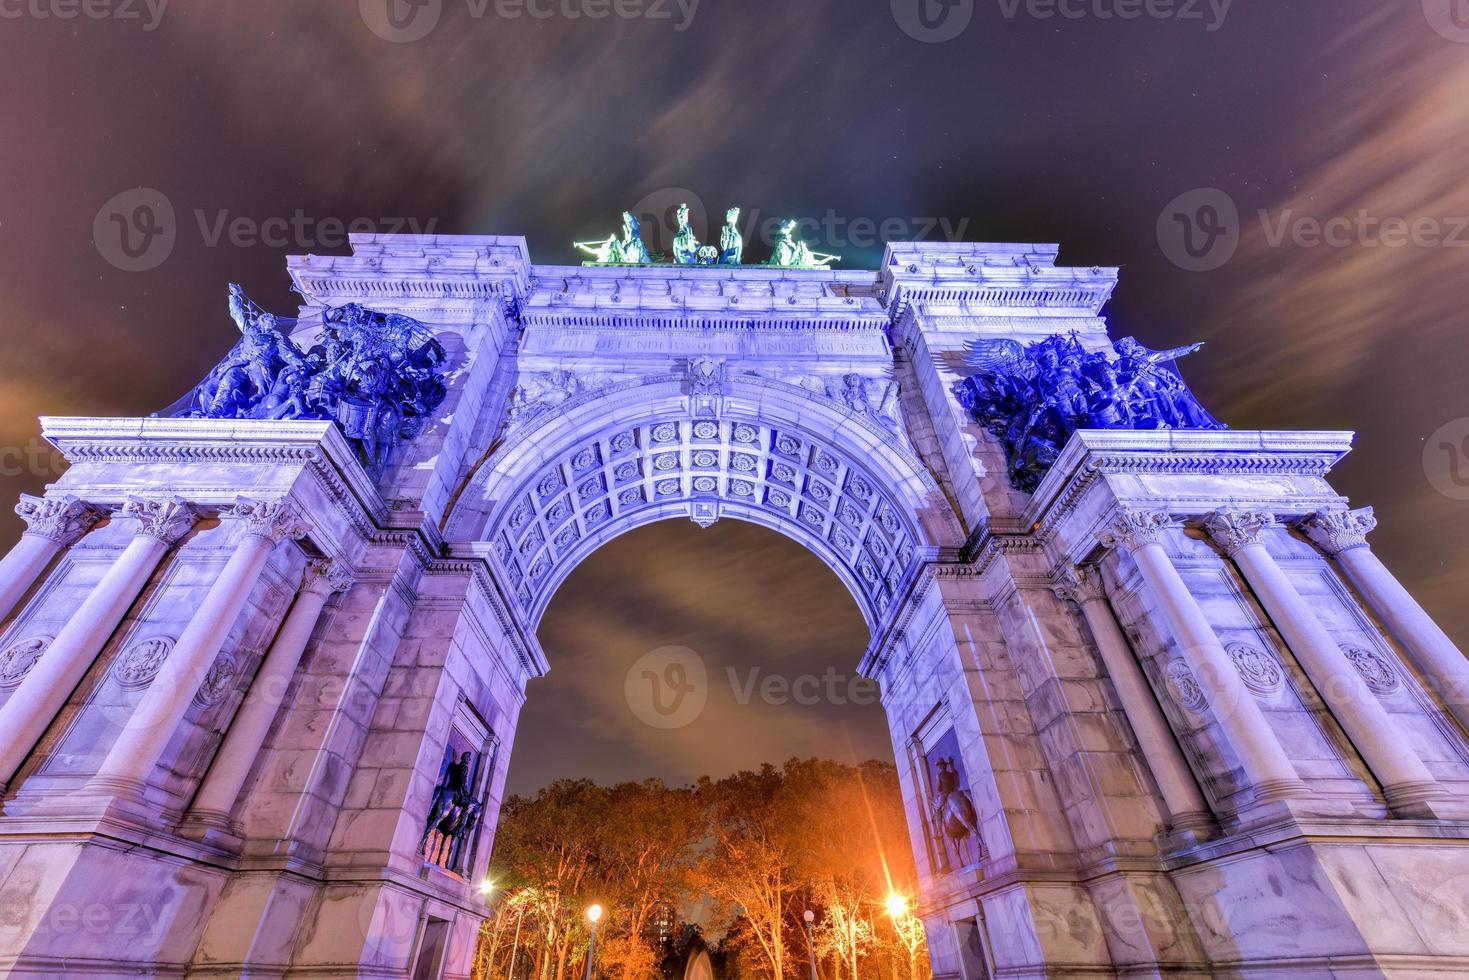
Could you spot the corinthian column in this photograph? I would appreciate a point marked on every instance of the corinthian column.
(1406, 781)
(53, 523)
(137, 750)
(48, 685)
(1242, 723)
(217, 795)
(1343, 535)
(1187, 809)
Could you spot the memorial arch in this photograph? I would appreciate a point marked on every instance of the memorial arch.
(1156, 706)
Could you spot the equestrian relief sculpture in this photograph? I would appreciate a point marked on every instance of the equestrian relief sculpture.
(378, 376)
(1034, 397)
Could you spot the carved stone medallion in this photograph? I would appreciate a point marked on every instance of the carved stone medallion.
(1374, 668)
(1184, 686)
(140, 664)
(1260, 671)
(217, 682)
(18, 660)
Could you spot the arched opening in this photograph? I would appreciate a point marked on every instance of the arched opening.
(774, 636)
(630, 531)
(689, 666)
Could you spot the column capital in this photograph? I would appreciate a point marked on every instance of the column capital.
(274, 520)
(168, 519)
(1335, 531)
(62, 519)
(1235, 530)
(325, 577)
(1133, 529)
(1081, 584)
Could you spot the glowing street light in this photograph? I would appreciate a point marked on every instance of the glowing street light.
(486, 887)
(810, 917)
(594, 915)
(897, 906)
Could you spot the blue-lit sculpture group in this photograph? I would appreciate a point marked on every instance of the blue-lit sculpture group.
(378, 376)
(1034, 397)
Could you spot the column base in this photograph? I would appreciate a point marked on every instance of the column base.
(1272, 790)
(1190, 828)
(1417, 801)
(211, 827)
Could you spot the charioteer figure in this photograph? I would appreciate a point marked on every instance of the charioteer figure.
(791, 253)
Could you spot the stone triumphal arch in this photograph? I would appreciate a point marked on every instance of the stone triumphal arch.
(1157, 707)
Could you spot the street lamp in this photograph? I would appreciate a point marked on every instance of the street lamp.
(897, 906)
(486, 887)
(594, 915)
(810, 917)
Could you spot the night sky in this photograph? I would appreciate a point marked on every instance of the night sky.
(1081, 129)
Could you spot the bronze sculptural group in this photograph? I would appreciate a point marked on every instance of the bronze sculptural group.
(378, 376)
(453, 813)
(1034, 397)
(788, 252)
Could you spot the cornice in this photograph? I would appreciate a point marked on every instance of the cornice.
(1092, 454)
(991, 275)
(318, 446)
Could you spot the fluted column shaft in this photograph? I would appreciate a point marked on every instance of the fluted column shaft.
(1343, 535)
(53, 523)
(216, 798)
(1243, 724)
(138, 748)
(35, 703)
(1405, 779)
(1188, 810)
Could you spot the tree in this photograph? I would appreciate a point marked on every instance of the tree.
(748, 854)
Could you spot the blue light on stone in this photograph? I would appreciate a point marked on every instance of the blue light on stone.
(378, 376)
(1034, 397)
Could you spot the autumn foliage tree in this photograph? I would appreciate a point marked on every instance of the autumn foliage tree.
(743, 857)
